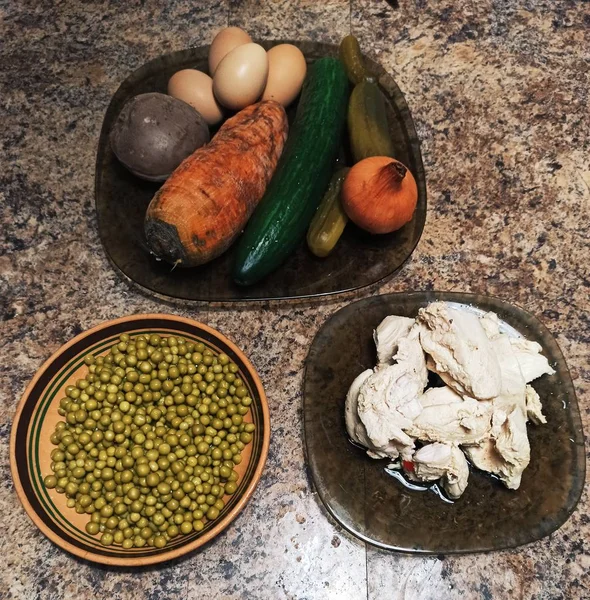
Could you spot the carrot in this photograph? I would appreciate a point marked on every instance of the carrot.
(205, 203)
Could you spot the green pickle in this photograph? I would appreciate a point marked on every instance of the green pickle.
(368, 126)
(137, 456)
(326, 226)
(352, 59)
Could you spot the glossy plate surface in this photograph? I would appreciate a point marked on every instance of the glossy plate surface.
(359, 259)
(37, 415)
(360, 494)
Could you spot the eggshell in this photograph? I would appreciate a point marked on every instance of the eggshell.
(286, 72)
(241, 76)
(223, 43)
(196, 88)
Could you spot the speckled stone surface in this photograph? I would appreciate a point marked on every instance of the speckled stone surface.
(499, 93)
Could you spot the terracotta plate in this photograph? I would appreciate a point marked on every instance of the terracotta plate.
(370, 503)
(37, 414)
(359, 259)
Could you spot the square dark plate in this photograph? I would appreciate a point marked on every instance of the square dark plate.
(371, 504)
(359, 259)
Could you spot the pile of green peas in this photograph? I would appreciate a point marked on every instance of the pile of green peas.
(150, 439)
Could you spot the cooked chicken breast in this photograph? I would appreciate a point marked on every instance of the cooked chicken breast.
(482, 411)
(534, 410)
(448, 417)
(441, 461)
(528, 354)
(530, 360)
(460, 350)
(491, 324)
(388, 399)
(354, 425)
(507, 452)
(387, 336)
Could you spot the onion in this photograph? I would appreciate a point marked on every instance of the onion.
(379, 194)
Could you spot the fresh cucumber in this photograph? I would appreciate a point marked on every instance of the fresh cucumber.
(368, 127)
(329, 221)
(302, 175)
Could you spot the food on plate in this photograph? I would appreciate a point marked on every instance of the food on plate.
(204, 204)
(302, 177)
(379, 194)
(368, 128)
(479, 413)
(286, 73)
(154, 133)
(387, 336)
(460, 351)
(241, 76)
(352, 58)
(442, 462)
(196, 88)
(223, 43)
(150, 439)
(329, 221)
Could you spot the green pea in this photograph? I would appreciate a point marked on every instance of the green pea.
(92, 528)
(106, 539)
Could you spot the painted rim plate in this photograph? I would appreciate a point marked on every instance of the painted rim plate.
(37, 414)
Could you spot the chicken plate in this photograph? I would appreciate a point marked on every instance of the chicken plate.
(479, 414)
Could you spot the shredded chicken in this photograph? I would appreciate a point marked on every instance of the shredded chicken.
(481, 413)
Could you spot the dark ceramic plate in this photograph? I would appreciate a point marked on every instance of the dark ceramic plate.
(359, 259)
(367, 501)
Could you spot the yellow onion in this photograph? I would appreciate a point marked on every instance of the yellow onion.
(379, 194)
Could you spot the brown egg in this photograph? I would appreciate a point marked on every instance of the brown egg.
(223, 43)
(241, 76)
(196, 88)
(286, 72)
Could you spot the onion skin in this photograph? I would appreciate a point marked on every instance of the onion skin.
(379, 194)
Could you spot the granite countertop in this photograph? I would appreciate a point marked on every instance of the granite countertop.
(499, 93)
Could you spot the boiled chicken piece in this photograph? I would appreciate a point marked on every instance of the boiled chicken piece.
(532, 363)
(491, 324)
(534, 410)
(387, 337)
(528, 354)
(441, 461)
(507, 452)
(354, 425)
(448, 417)
(482, 411)
(388, 399)
(460, 350)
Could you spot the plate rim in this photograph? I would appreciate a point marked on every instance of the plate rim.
(199, 541)
(177, 300)
(451, 296)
